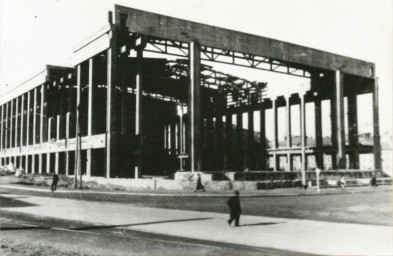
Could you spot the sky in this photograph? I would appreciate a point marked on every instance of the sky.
(40, 32)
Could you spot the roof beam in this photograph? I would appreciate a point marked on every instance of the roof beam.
(166, 27)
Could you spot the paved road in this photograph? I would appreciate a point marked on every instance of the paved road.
(292, 235)
(73, 237)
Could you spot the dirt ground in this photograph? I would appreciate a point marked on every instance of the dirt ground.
(12, 248)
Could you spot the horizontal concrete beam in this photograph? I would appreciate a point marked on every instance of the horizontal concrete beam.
(169, 28)
(92, 142)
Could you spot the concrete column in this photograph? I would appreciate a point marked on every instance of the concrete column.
(27, 164)
(339, 122)
(43, 93)
(50, 124)
(58, 128)
(263, 146)
(240, 142)
(7, 126)
(353, 131)
(303, 137)
(228, 142)
(138, 115)
(377, 138)
(77, 166)
(90, 115)
(34, 116)
(250, 161)
(90, 99)
(28, 119)
(318, 132)
(111, 109)
(67, 136)
(288, 130)
(219, 131)
(2, 127)
(194, 106)
(11, 124)
(16, 121)
(22, 117)
(275, 133)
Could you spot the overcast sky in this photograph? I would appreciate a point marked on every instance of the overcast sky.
(39, 32)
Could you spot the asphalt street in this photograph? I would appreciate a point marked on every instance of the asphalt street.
(83, 238)
(174, 231)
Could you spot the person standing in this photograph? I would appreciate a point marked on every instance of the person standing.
(235, 209)
(199, 186)
(55, 180)
(373, 181)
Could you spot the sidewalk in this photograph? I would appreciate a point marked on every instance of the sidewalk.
(314, 237)
(248, 193)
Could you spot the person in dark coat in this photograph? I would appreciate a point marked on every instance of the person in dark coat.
(373, 181)
(235, 209)
(55, 180)
(199, 186)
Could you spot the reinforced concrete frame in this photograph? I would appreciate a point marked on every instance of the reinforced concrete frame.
(113, 104)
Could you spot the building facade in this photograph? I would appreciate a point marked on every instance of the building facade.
(117, 113)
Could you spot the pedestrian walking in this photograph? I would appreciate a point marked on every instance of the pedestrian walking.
(235, 209)
(373, 181)
(55, 180)
(199, 186)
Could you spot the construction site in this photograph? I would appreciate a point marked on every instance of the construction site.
(146, 98)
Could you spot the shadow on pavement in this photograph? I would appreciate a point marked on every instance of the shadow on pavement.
(21, 228)
(261, 224)
(12, 202)
(137, 224)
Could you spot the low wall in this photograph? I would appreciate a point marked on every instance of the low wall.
(187, 181)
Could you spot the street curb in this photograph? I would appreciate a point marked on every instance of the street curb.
(204, 194)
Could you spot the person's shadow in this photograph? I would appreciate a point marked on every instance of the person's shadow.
(261, 224)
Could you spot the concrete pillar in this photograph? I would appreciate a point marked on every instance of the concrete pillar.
(22, 118)
(228, 142)
(377, 138)
(28, 119)
(90, 99)
(240, 142)
(2, 127)
(138, 116)
(275, 133)
(111, 103)
(219, 142)
(43, 93)
(34, 116)
(77, 166)
(16, 121)
(353, 131)
(339, 122)
(11, 124)
(194, 106)
(67, 136)
(318, 132)
(27, 170)
(303, 137)
(263, 145)
(6, 127)
(250, 161)
(58, 128)
(50, 125)
(90, 116)
(288, 130)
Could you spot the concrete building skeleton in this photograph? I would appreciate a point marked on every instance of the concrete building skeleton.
(128, 109)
